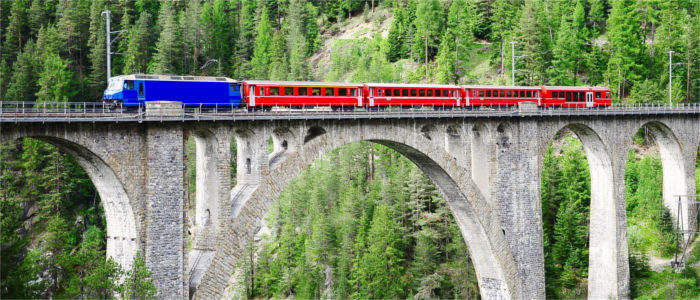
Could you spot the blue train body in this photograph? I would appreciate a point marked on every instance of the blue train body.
(135, 90)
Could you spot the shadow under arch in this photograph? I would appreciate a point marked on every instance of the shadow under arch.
(673, 168)
(122, 236)
(493, 262)
(603, 263)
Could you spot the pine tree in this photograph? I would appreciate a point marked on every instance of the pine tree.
(54, 80)
(263, 46)
(22, 84)
(429, 23)
(138, 283)
(532, 45)
(446, 61)
(166, 60)
(279, 63)
(16, 31)
(192, 37)
(626, 47)
(139, 49)
(37, 17)
(98, 51)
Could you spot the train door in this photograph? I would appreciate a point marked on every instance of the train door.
(371, 96)
(359, 97)
(141, 91)
(251, 94)
(589, 99)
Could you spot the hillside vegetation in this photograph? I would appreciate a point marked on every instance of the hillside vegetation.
(362, 222)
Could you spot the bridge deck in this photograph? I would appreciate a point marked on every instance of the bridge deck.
(67, 112)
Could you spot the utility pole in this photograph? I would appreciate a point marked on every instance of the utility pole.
(426, 57)
(108, 15)
(512, 57)
(670, 76)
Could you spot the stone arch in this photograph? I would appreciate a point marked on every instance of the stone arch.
(603, 277)
(481, 155)
(246, 156)
(478, 223)
(674, 173)
(284, 142)
(313, 132)
(206, 187)
(122, 235)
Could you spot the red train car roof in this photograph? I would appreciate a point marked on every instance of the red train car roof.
(502, 87)
(588, 88)
(414, 85)
(301, 83)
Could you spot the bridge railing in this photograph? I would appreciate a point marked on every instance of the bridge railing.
(16, 110)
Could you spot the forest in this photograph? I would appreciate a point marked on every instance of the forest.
(363, 222)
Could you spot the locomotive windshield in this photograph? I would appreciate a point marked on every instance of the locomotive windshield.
(115, 84)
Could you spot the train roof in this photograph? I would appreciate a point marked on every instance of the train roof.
(590, 88)
(412, 85)
(175, 78)
(301, 83)
(505, 87)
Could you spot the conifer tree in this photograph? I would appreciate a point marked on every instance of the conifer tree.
(263, 47)
(140, 40)
(446, 60)
(22, 84)
(36, 17)
(626, 47)
(98, 51)
(429, 23)
(54, 80)
(166, 60)
(279, 64)
(192, 37)
(16, 31)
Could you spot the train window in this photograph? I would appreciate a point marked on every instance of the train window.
(342, 92)
(330, 91)
(274, 91)
(404, 92)
(607, 95)
(475, 94)
(430, 93)
(535, 94)
(488, 93)
(315, 91)
(397, 92)
(568, 96)
(234, 87)
(555, 94)
(508, 94)
(597, 94)
(481, 93)
(130, 85)
(289, 91)
(452, 93)
(353, 92)
(413, 92)
(522, 94)
(303, 91)
(502, 93)
(528, 94)
(421, 92)
(140, 88)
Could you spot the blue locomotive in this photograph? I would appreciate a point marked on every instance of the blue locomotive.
(135, 89)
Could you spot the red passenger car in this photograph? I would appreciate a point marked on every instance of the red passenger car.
(297, 94)
(392, 94)
(575, 96)
(481, 95)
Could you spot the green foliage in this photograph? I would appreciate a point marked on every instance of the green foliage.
(263, 48)
(137, 284)
(355, 226)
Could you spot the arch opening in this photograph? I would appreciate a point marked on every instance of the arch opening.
(338, 186)
(206, 187)
(579, 215)
(60, 190)
(313, 132)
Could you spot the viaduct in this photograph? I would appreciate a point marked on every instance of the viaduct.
(487, 166)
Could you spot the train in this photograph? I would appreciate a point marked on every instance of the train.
(135, 90)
